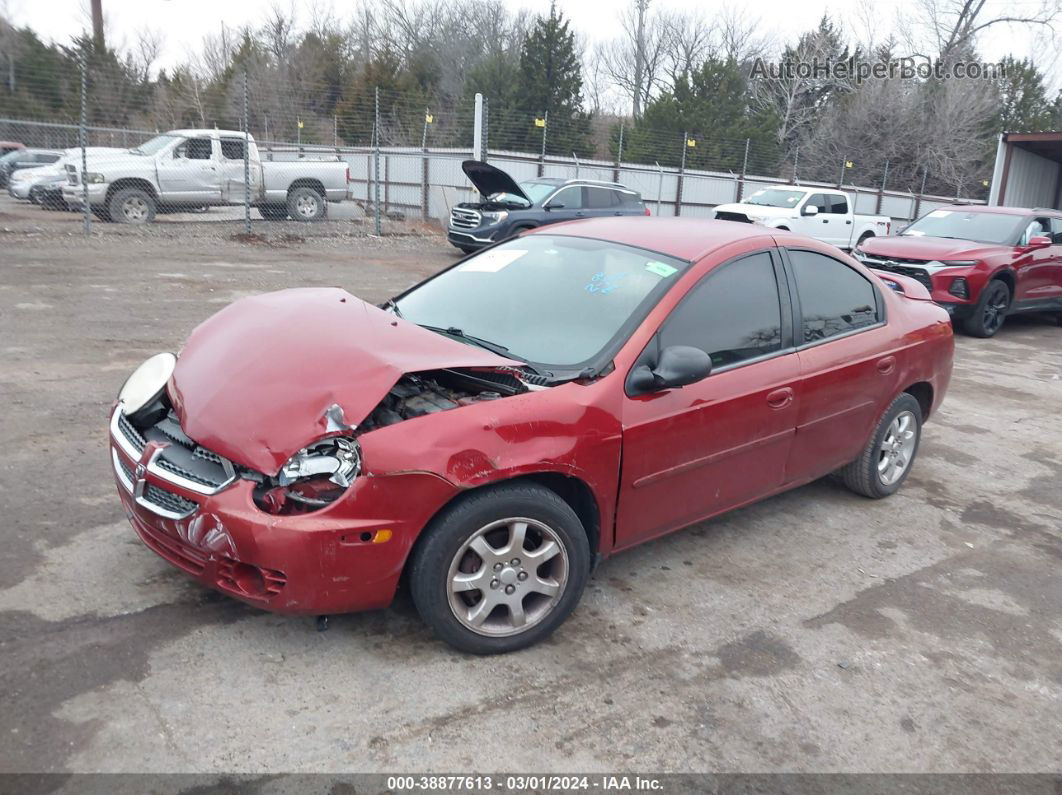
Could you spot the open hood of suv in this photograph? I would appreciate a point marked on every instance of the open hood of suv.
(259, 380)
(490, 180)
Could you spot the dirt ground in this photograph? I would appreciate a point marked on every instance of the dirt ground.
(816, 631)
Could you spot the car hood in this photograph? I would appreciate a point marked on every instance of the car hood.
(929, 248)
(490, 180)
(259, 380)
(758, 210)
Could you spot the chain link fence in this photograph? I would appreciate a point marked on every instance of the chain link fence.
(255, 153)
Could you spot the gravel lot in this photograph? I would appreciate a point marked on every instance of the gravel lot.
(816, 631)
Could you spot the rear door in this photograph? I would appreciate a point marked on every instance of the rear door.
(230, 166)
(694, 452)
(847, 372)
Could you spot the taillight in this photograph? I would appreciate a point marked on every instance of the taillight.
(348, 174)
(647, 211)
(888, 227)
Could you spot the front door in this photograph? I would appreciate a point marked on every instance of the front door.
(190, 175)
(693, 452)
(1039, 282)
(567, 204)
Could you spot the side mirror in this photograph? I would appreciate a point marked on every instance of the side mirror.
(1038, 241)
(553, 206)
(810, 209)
(679, 365)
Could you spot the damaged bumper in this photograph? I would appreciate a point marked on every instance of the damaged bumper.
(344, 558)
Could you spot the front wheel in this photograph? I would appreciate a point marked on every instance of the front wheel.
(306, 204)
(991, 309)
(886, 461)
(501, 569)
(132, 206)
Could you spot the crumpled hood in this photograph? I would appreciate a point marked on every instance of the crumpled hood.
(490, 180)
(254, 381)
(757, 210)
(929, 248)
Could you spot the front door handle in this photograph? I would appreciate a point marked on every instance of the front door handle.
(780, 398)
(825, 220)
(886, 365)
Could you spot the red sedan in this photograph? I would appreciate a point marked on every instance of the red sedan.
(496, 430)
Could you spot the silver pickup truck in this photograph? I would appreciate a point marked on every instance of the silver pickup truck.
(187, 169)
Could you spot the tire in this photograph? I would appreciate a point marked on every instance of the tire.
(132, 206)
(101, 213)
(991, 309)
(863, 238)
(489, 521)
(468, 249)
(273, 212)
(889, 442)
(306, 205)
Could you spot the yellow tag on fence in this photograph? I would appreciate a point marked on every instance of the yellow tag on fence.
(540, 122)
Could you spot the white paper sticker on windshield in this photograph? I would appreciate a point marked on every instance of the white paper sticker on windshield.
(492, 261)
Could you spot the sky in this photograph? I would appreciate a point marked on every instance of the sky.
(183, 23)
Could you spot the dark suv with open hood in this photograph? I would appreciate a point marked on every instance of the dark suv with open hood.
(508, 208)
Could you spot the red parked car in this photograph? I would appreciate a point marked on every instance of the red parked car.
(979, 263)
(494, 431)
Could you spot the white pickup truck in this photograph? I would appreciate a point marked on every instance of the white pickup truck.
(186, 169)
(820, 213)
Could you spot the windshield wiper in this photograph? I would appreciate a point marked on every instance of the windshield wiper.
(453, 331)
(390, 304)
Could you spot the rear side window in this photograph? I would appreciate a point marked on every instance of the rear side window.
(839, 205)
(601, 198)
(733, 314)
(232, 148)
(46, 158)
(834, 298)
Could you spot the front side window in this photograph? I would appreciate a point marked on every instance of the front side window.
(733, 314)
(194, 149)
(549, 299)
(834, 298)
(570, 198)
(819, 200)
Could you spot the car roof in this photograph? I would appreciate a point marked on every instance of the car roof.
(577, 181)
(988, 208)
(203, 131)
(684, 238)
(36, 151)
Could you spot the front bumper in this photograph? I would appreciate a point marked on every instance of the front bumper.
(73, 195)
(317, 563)
(478, 238)
(18, 190)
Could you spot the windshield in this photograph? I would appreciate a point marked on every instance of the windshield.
(776, 197)
(11, 156)
(549, 299)
(978, 227)
(153, 145)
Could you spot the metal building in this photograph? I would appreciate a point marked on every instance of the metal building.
(1028, 170)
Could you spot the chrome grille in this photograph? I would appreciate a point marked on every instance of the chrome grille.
(918, 274)
(131, 433)
(71, 174)
(462, 218)
(168, 501)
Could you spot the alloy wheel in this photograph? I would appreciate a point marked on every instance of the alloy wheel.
(995, 310)
(135, 209)
(897, 448)
(507, 577)
(306, 206)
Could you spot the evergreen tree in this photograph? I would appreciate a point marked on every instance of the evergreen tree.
(550, 80)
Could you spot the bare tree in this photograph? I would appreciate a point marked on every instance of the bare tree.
(946, 29)
(635, 60)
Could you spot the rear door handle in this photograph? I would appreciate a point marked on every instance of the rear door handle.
(780, 398)
(886, 365)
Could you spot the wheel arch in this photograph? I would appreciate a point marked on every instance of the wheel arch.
(1007, 277)
(308, 182)
(131, 182)
(575, 491)
(922, 391)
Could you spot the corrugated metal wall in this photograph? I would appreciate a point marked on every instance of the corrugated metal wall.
(1031, 180)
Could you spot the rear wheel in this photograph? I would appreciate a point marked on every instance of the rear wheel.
(991, 309)
(273, 212)
(306, 204)
(886, 461)
(863, 238)
(501, 569)
(102, 213)
(132, 206)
